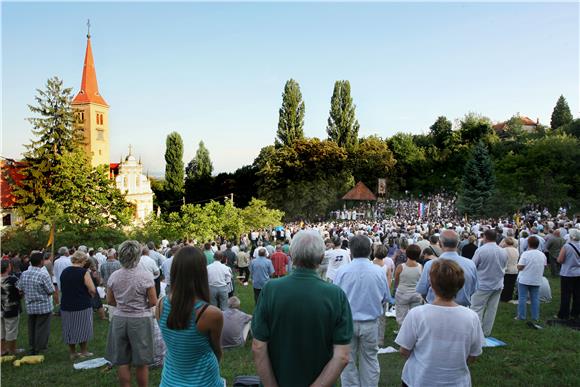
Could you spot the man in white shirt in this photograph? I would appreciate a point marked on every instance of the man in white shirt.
(149, 265)
(100, 257)
(219, 277)
(60, 264)
(490, 261)
(336, 258)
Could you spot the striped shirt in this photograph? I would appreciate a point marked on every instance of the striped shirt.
(190, 360)
(37, 287)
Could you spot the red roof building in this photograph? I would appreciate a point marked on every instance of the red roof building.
(360, 192)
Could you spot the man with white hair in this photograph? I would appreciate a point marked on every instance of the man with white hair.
(449, 241)
(61, 263)
(302, 323)
(236, 325)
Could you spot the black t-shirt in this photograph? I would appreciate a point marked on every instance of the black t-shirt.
(75, 295)
(10, 297)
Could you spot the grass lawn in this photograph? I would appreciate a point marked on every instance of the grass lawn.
(548, 357)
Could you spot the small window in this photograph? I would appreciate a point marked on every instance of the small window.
(80, 117)
(7, 220)
(100, 135)
(99, 118)
(100, 154)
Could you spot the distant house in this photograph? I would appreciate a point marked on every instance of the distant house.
(528, 126)
(10, 175)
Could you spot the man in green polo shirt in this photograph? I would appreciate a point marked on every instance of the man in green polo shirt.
(302, 326)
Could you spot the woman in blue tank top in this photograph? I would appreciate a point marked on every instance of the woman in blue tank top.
(191, 328)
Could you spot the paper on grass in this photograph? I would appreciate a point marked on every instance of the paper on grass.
(493, 342)
(92, 363)
(387, 350)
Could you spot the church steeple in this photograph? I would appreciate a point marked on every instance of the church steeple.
(92, 112)
(89, 91)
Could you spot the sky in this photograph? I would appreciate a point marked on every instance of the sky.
(215, 72)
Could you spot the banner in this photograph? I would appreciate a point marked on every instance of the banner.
(50, 237)
(382, 187)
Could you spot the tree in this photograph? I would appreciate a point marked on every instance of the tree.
(305, 179)
(474, 127)
(174, 167)
(442, 132)
(561, 114)
(59, 186)
(291, 115)
(55, 134)
(371, 160)
(478, 183)
(200, 166)
(342, 125)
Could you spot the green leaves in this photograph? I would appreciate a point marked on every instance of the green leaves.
(561, 114)
(478, 184)
(174, 170)
(290, 115)
(342, 125)
(60, 186)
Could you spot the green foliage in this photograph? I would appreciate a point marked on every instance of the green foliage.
(572, 128)
(544, 171)
(24, 239)
(200, 167)
(442, 133)
(59, 186)
(409, 160)
(291, 115)
(342, 125)
(371, 160)
(474, 128)
(561, 114)
(305, 179)
(478, 183)
(174, 170)
(202, 223)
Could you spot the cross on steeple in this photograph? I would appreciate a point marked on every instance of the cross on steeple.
(88, 28)
(130, 149)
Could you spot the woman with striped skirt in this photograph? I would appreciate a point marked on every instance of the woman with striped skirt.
(75, 307)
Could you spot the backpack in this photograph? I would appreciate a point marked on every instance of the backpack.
(246, 381)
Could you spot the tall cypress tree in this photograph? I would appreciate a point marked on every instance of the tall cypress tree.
(478, 183)
(174, 170)
(200, 166)
(291, 115)
(342, 125)
(561, 114)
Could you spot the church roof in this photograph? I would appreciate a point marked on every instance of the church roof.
(359, 192)
(89, 92)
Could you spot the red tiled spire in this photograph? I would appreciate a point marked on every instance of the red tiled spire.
(89, 88)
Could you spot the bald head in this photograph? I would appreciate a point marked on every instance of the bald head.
(449, 240)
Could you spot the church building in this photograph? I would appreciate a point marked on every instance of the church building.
(92, 114)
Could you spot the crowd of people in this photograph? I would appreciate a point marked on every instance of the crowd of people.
(321, 293)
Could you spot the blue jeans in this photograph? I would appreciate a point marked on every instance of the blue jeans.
(534, 299)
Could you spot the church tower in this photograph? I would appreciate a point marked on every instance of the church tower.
(92, 112)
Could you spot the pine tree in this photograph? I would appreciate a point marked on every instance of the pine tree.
(59, 185)
(200, 166)
(478, 183)
(342, 125)
(291, 115)
(561, 114)
(174, 171)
